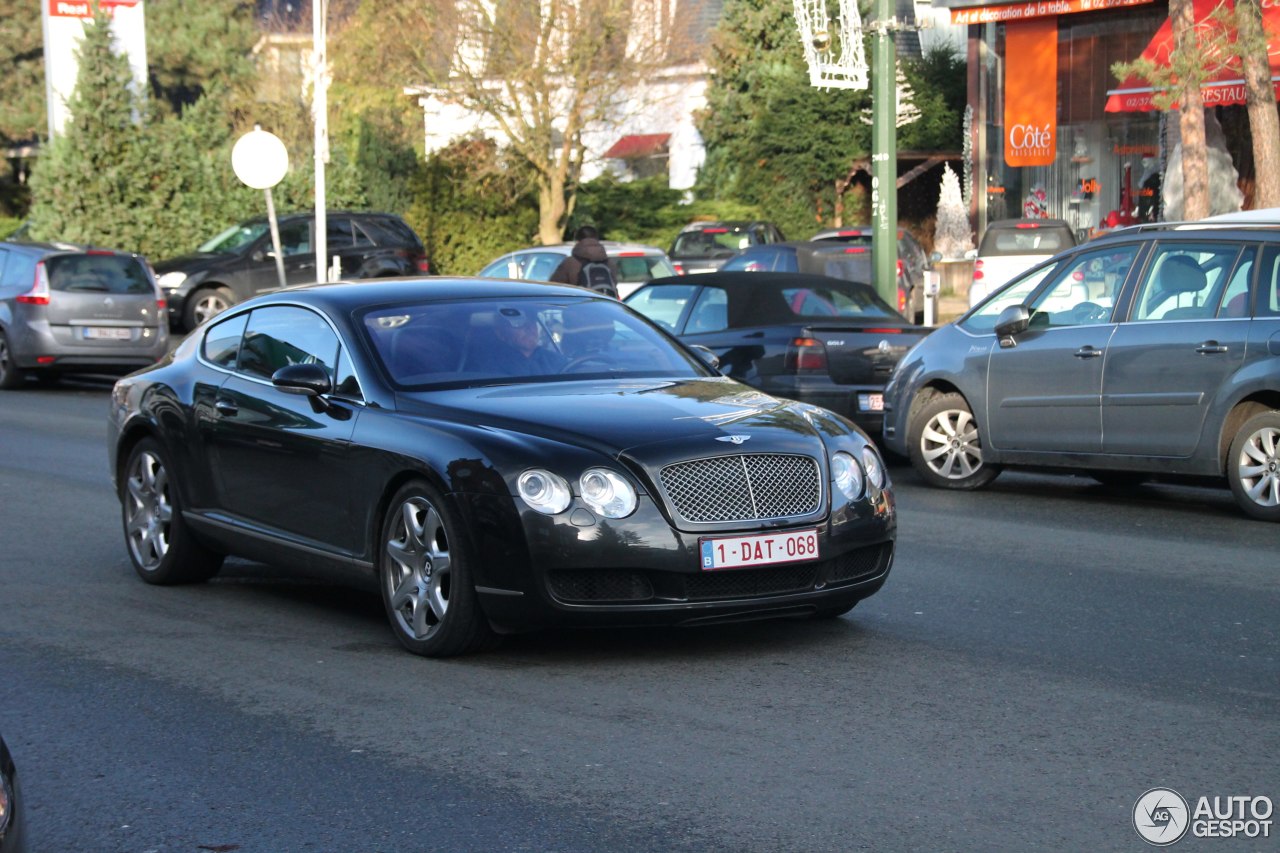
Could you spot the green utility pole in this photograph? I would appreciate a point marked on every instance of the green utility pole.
(884, 156)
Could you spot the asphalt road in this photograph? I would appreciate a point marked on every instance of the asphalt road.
(1044, 652)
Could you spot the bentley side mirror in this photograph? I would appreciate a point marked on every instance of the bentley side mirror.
(309, 380)
(1012, 321)
(708, 358)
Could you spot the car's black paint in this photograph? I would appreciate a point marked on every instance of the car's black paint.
(12, 808)
(305, 481)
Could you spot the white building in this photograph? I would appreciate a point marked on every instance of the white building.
(655, 131)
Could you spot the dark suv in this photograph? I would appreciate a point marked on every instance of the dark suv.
(1151, 352)
(239, 263)
(705, 246)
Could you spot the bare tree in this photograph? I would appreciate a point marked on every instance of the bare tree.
(539, 74)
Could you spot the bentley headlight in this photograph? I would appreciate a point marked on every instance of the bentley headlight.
(847, 475)
(543, 491)
(607, 493)
(171, 280)
(874, 467)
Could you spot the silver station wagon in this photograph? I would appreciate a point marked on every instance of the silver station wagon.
(67, 309)
(1152, 352)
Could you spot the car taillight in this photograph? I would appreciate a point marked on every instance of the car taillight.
(902, 301)
(679, 267)
(977, 269)
(805, 354)
(900, 268)
(422, 264)
(856, 250)
(39, 292)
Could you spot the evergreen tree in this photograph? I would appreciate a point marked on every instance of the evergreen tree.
(82, 186)
(195, 44)
(773, 141)
(22, 114)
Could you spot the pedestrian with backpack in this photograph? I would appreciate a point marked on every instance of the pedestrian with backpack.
(587, 265)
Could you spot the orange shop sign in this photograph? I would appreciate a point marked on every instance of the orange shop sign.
(1035, 9)
(1031, 92)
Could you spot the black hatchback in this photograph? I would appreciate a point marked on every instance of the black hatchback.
(240, 263)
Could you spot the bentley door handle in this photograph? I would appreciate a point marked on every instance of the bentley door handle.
(1209, 347)
(226, 407)
(1087, 352)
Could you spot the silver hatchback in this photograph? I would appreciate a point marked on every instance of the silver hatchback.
(68, 309)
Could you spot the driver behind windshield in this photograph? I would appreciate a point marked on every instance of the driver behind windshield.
(517, 348)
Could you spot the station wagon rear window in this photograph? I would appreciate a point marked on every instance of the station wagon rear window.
(97, 273)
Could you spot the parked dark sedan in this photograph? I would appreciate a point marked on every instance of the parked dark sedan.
(240, 262)
(12, 818)
(1151, 352)
(811, 338)
(493, 456)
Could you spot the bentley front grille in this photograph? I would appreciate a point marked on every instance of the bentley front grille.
(745, 487)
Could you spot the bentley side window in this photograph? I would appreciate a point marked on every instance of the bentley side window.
(280, 335)
(222, 341)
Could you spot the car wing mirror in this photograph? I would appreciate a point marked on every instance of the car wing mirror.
(706, 356)
(1012, 322)
(309, 380)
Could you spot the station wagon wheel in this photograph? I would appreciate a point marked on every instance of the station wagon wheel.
(425, 577)
(1253, 466)
(945, 446)
(160, 543)
(207, 303)
(10, 376)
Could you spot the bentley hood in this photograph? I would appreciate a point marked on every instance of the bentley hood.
(627, 416)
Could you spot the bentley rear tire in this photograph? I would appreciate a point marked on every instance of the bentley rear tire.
(160, 544)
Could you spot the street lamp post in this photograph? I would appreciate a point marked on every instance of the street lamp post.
(320, 112)
(884, 155)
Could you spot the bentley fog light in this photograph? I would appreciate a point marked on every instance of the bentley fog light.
(875, 468)
(847, 475)
(543, 491)
(607, 493)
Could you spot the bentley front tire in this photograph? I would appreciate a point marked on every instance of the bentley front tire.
(425, 576)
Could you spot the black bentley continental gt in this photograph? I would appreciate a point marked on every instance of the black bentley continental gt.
(493, 456)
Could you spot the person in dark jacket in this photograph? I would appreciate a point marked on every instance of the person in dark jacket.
(587, 249)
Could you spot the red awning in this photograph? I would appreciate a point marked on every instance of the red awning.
(639, 145)
(1224, 89)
